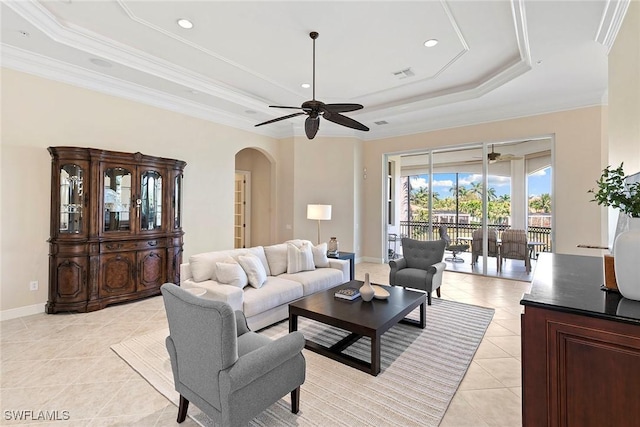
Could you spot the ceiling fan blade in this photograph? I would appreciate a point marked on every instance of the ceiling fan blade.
(344, 121)
(280, 118)
(341, 108)
(283, 106)
(311, 126)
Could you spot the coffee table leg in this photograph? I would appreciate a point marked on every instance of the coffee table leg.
(375, 355)
(423, 316)
(293, 322)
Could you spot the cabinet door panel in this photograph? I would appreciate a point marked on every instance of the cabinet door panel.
(71, 280)
(117, 274)
(152, 268)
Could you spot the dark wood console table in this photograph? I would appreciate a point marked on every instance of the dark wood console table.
(580, 347)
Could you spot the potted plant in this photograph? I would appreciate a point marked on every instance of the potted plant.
(613, 191)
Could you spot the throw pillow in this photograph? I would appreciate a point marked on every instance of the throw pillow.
(320, 255)
(299, 259)
(231, 273)
(256, 273)
(277, 258)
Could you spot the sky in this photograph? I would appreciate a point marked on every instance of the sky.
(539, 182)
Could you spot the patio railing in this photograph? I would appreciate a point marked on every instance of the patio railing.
(419, 230)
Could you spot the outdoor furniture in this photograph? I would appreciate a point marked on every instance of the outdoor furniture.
(492, 250)
(454, 249)
(420, 267)
(229, 372)
(514, 246)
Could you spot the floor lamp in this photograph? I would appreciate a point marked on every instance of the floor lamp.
(319, 213)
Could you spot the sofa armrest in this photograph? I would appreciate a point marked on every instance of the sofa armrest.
(343, 265)
(257, 363)
(185, 273)
(396, 264)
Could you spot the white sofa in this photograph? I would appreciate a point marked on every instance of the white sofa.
(268, 303)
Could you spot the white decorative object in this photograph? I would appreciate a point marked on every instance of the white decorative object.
(626, 252)
(366, 291)
(380, 292)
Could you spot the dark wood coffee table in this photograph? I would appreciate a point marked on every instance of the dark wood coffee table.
(362, 319)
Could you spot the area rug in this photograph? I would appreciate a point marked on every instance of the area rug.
(421, 371)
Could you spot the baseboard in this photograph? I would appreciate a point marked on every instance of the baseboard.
(28, 310)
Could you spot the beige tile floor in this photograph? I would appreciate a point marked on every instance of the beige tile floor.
(63, 362)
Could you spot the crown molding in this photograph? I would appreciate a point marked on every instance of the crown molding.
(610, 23)
(42, 66)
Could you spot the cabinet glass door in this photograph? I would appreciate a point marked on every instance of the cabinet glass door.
(177, 202)
(150, 201)
(71, 198)
(117, 199)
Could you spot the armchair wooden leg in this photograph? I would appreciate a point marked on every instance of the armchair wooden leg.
(182, 410)
(438, 292)
(295, 400)
(428, 298)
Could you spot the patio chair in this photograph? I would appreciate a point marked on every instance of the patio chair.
(454, 249)
(514, 245)
(476, 246)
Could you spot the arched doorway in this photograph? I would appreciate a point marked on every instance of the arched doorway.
(253, 199)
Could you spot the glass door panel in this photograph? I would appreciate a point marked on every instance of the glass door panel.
(71, 198)
(177, 201)
(150, 202)
(117, 199)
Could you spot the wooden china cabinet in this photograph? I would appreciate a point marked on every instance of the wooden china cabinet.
(116, 227)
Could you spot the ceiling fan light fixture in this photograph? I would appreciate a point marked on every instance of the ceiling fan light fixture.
(431, 42)
(184, 23)
(305, 85)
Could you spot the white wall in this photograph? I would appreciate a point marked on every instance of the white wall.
(38, 113)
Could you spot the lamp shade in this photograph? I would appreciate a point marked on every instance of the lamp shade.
(319, 212)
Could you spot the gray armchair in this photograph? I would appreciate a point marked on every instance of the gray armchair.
(229, 372)
(421, 266)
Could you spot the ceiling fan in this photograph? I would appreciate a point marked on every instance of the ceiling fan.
(497, 157)
(314, 109)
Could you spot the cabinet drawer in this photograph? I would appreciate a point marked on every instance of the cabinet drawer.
(133, 245)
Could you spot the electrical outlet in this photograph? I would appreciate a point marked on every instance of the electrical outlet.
(33, 285)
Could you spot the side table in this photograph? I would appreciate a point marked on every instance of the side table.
(352, 261)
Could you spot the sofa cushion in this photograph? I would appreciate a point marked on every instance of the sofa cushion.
(316, 280)
(299, 258)
(276, 258)
(259, 252)
(219, 292)
(273, 293)
(203, 266)
(231, 273)
(252, 265)
(320, 258)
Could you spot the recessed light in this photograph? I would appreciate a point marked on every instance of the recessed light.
(431, 42)
(23, 33)
(305, 85)
(185, 23)
(101, 62)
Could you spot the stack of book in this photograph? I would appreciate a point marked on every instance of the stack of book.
(347, 293)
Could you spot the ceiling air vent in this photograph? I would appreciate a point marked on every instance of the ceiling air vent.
(403, 74)
(381, 122)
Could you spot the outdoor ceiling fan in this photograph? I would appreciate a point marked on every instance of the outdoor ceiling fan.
(497, 157)
(315, 109)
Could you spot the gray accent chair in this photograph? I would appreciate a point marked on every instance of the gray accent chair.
(229, 372)
(420, 267)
